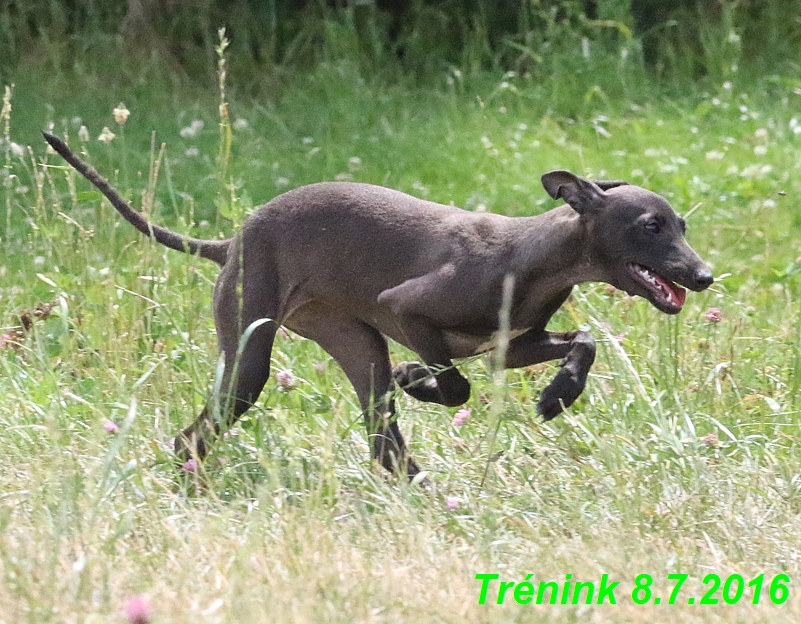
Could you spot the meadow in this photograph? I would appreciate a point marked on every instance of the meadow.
(681, 457)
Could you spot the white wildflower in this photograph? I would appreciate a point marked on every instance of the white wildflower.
(599, 129)
(121, 114)
(106, 136)
(192, 129)
(83, 134)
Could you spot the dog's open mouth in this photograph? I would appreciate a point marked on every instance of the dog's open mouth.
(666, 295)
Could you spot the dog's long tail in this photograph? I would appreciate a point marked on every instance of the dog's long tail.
(210, 249)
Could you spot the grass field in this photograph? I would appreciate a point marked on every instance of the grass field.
(681, 457)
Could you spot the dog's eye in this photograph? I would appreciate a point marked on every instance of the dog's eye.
(653, 227)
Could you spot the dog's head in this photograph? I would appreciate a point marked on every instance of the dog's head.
(636, 238)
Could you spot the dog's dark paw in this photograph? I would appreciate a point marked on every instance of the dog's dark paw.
(563, 390)
(416, 381)
(188, 447)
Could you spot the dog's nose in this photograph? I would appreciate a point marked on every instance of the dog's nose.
(703, 279)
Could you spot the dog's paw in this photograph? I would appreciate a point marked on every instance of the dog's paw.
(563, 390)
(416, 381)
(189, 446)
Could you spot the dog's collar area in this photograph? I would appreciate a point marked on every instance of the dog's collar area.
(665, 292)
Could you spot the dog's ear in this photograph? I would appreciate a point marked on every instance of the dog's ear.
(582, 194)
(605, 185)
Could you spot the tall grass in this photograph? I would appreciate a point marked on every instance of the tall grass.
(683, 40)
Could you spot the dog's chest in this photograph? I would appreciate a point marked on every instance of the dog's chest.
(463, 345)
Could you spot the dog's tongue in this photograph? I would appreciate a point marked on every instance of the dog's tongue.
(679, 293)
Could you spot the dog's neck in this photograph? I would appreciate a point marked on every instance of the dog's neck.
(552, 252)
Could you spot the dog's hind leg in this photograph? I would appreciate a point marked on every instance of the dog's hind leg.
(245, 338)
(243, 379)
(362, 352)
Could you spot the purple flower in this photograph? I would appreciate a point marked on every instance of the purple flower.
(453, 502)
(461, 417)
(110, 426)
(286, 380)
(713, 315)
(190, 465)
(4, 340)
(138, 610)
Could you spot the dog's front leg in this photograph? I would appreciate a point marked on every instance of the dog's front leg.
(438, 381)
(578, 350)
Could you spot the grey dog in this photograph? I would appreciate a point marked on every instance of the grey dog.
(348, 265)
